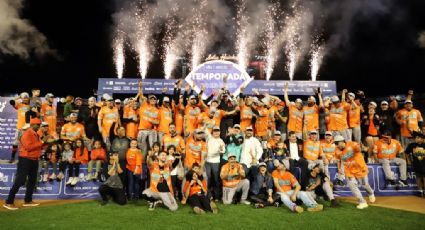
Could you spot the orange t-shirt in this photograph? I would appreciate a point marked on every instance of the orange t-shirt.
(338, 117)
(83, 158)
(131, 128)
(72, 131)
(158, 175)
(372, 128)
(286, 181)
(134, 158)
(273, 110)
(196, 188)
(409, 121)
(354, 117)
(295, 122)
(21, 109)
(165, 118)
(246, 117)
(328, 149)
(108, 117)
(148, 116)
(194, 152)
(311, 150)
(387, 151)
(352, 158)
(177, 141)
(233, 177)
(262, 122)
(178, 119)
(206, 121)
(191, 118)
(48, 112)
(311, 118)
(98, 154)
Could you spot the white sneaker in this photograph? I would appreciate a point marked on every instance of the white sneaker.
(52, 177)
(372, 198)
(45, 177)
(245, 202)
(60, 176)
(362, 205)
(75, 181)
(70, 180)
(89, 176)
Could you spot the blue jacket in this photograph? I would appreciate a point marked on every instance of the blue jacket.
(259, 180)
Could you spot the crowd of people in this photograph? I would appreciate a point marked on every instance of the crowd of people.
(258, 149)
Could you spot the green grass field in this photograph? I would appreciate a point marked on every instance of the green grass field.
(90, 215)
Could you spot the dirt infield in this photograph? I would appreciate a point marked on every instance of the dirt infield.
(406, 203)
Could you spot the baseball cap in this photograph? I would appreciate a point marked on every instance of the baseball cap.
(231, 154)
(262, 164)
(277, 133)
(237, 126)
(249, 128)
(199, 131)
(35, 121)
(166, 99)
(44, 124)
(373, 103)
(408, 101)
(298, 100)
(277, 162)
(106, 96)
(216, 128)
(151, 96)
(78, 99)
(311, 98)
(192, 97)
(117, 101)
(338, 138)
(326, 98)
(73, 115)
(328, 133)
(312, 132)
(384, 102)
(312, 166)
(335, 98)
(24, 95)
(49, 95)
(350, 94)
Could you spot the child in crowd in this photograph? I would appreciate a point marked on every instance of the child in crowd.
(134, 165)
(50, 157)
(81, 156)
(177, 174)
(97, 156)
(65, 160)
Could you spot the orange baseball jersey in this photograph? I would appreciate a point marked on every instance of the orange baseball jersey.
(149, 115)
(82, 156)
(191, 118)
(131, 128)
(158, 175)
(165, 118)
(246, 117)
(21, 109)
(262, 122)
(48, 113)
(387, 151)
(134, 158)
(354, 117)
(286, 181)
(98, 154)
(338, 117)
(206, 121)
(108, 117)
(328, 149)
(311, 118)
(273, 110)
(196, 188)
(72, 131)
(179, 119)
(233, 177)
(295, 122)
(352, 158)
(177, 141)
(311, 150)
(409, 121)
(195, 150)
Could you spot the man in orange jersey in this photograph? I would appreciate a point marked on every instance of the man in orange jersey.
(149, 119)
(262, 118)
(191, 116)
(165, 118)
(327, 151)
(22, 105)
(338, 116)
(213, 117)
(311, 151)
(410, 120)
(245, 110)
(30, 151)
(296, 114)
(311, 114)
(108, 115)
(354, 129)
(73, 130)
(131, 118)
(355, 169)
(196, 149)
(48, 114)
(386, 150)
(174, 139)
(234, 180)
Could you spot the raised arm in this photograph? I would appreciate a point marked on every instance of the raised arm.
(285, 95)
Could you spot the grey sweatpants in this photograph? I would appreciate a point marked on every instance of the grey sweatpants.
(389, 175)
(355, 134)
(327, 189)
(166, 197)
(229, 193)
(145, 139)
(353, 185)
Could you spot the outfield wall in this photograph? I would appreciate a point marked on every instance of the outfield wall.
(88, 189)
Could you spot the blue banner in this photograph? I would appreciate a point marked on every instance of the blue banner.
(8, 120)
(89, 190)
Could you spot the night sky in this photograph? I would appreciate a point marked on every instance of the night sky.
(382, 57)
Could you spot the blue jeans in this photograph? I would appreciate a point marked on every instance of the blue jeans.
(133, 185)
(303, 196)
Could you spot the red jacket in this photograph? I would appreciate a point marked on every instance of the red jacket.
(31, 145)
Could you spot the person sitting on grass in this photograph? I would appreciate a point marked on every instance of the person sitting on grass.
(97, 156)
(233, 176)
(262, 187)
(316, 183)
(288, 188)
(195, 192)
(161, 188)
(113, 186)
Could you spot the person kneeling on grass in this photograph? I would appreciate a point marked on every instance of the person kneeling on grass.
(233, 176)
(288, 188)
(195, 192)
(262, 187)
(161, 188)
(316, 183)
(113, 185)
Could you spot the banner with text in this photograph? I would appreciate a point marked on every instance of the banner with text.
(8, 120)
